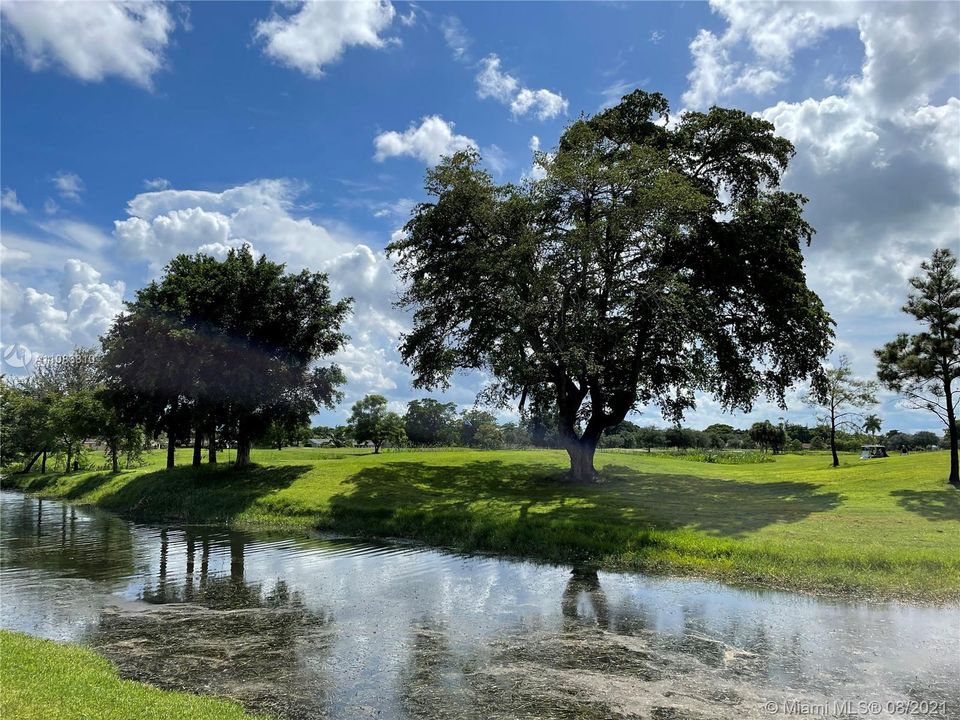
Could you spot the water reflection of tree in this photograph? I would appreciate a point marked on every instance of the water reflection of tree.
(65, 540)
(211, 590)
(218, 633)
(583, 588)
(431, 680)
(521, 672)
(603, 663)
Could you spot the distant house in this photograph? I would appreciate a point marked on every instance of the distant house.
(320, 442)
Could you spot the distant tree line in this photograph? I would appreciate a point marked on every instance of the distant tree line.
(429, 423)
(54, 417)
(764, 436)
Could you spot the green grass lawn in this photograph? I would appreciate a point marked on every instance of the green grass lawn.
(42, 680)
(879, 529)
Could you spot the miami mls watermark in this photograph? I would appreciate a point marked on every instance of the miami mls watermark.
(18, 356)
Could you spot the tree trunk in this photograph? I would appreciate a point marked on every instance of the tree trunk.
(32, 461)
(376, 448)
(114, 457)
(171, 449)
(243, 447)
(236, 560)
(212, 450)
(69, 456)
(43, 463)
(243, 452)
(197, 447)
(188, 595)
(954, 478)
(833, 442)
(581, 454)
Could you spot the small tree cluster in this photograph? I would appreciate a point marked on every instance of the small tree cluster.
(768, 436)
(225, 346)
(370, 421)
(54, 412)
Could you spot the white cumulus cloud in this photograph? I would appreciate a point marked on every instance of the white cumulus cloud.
(492, 82)
(164, 223)
(429, 141)
(90, 40)
(83, 310)
(317, 33)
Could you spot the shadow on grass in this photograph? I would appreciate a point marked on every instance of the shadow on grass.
(527, 508)
(717, 506)
(90, 483)
(32, 482)
(941, 504)
(36, 482)
(208, 494)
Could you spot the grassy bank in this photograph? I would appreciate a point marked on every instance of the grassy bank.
(43, 680)
(880, 529)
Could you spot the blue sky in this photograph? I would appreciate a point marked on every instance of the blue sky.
(133, 132)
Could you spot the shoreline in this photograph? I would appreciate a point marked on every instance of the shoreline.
(404, 504)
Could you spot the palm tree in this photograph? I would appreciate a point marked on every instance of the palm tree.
(871, 426)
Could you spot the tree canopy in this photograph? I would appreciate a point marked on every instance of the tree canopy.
(229, 342)
(370, 421)
(430, 422)
(768, 436)
(652, 260)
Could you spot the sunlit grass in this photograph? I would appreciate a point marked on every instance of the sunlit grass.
(43, 680)
(880, 528)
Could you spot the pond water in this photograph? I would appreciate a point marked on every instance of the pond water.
(314, 627)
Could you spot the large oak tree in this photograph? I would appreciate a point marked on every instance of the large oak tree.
(651, 261)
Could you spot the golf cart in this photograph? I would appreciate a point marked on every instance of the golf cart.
(868, 452)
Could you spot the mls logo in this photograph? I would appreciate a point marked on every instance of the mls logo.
(17, 355)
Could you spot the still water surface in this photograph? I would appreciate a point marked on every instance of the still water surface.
(317, 628)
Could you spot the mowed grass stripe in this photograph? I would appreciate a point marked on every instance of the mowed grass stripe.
(44, 680)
